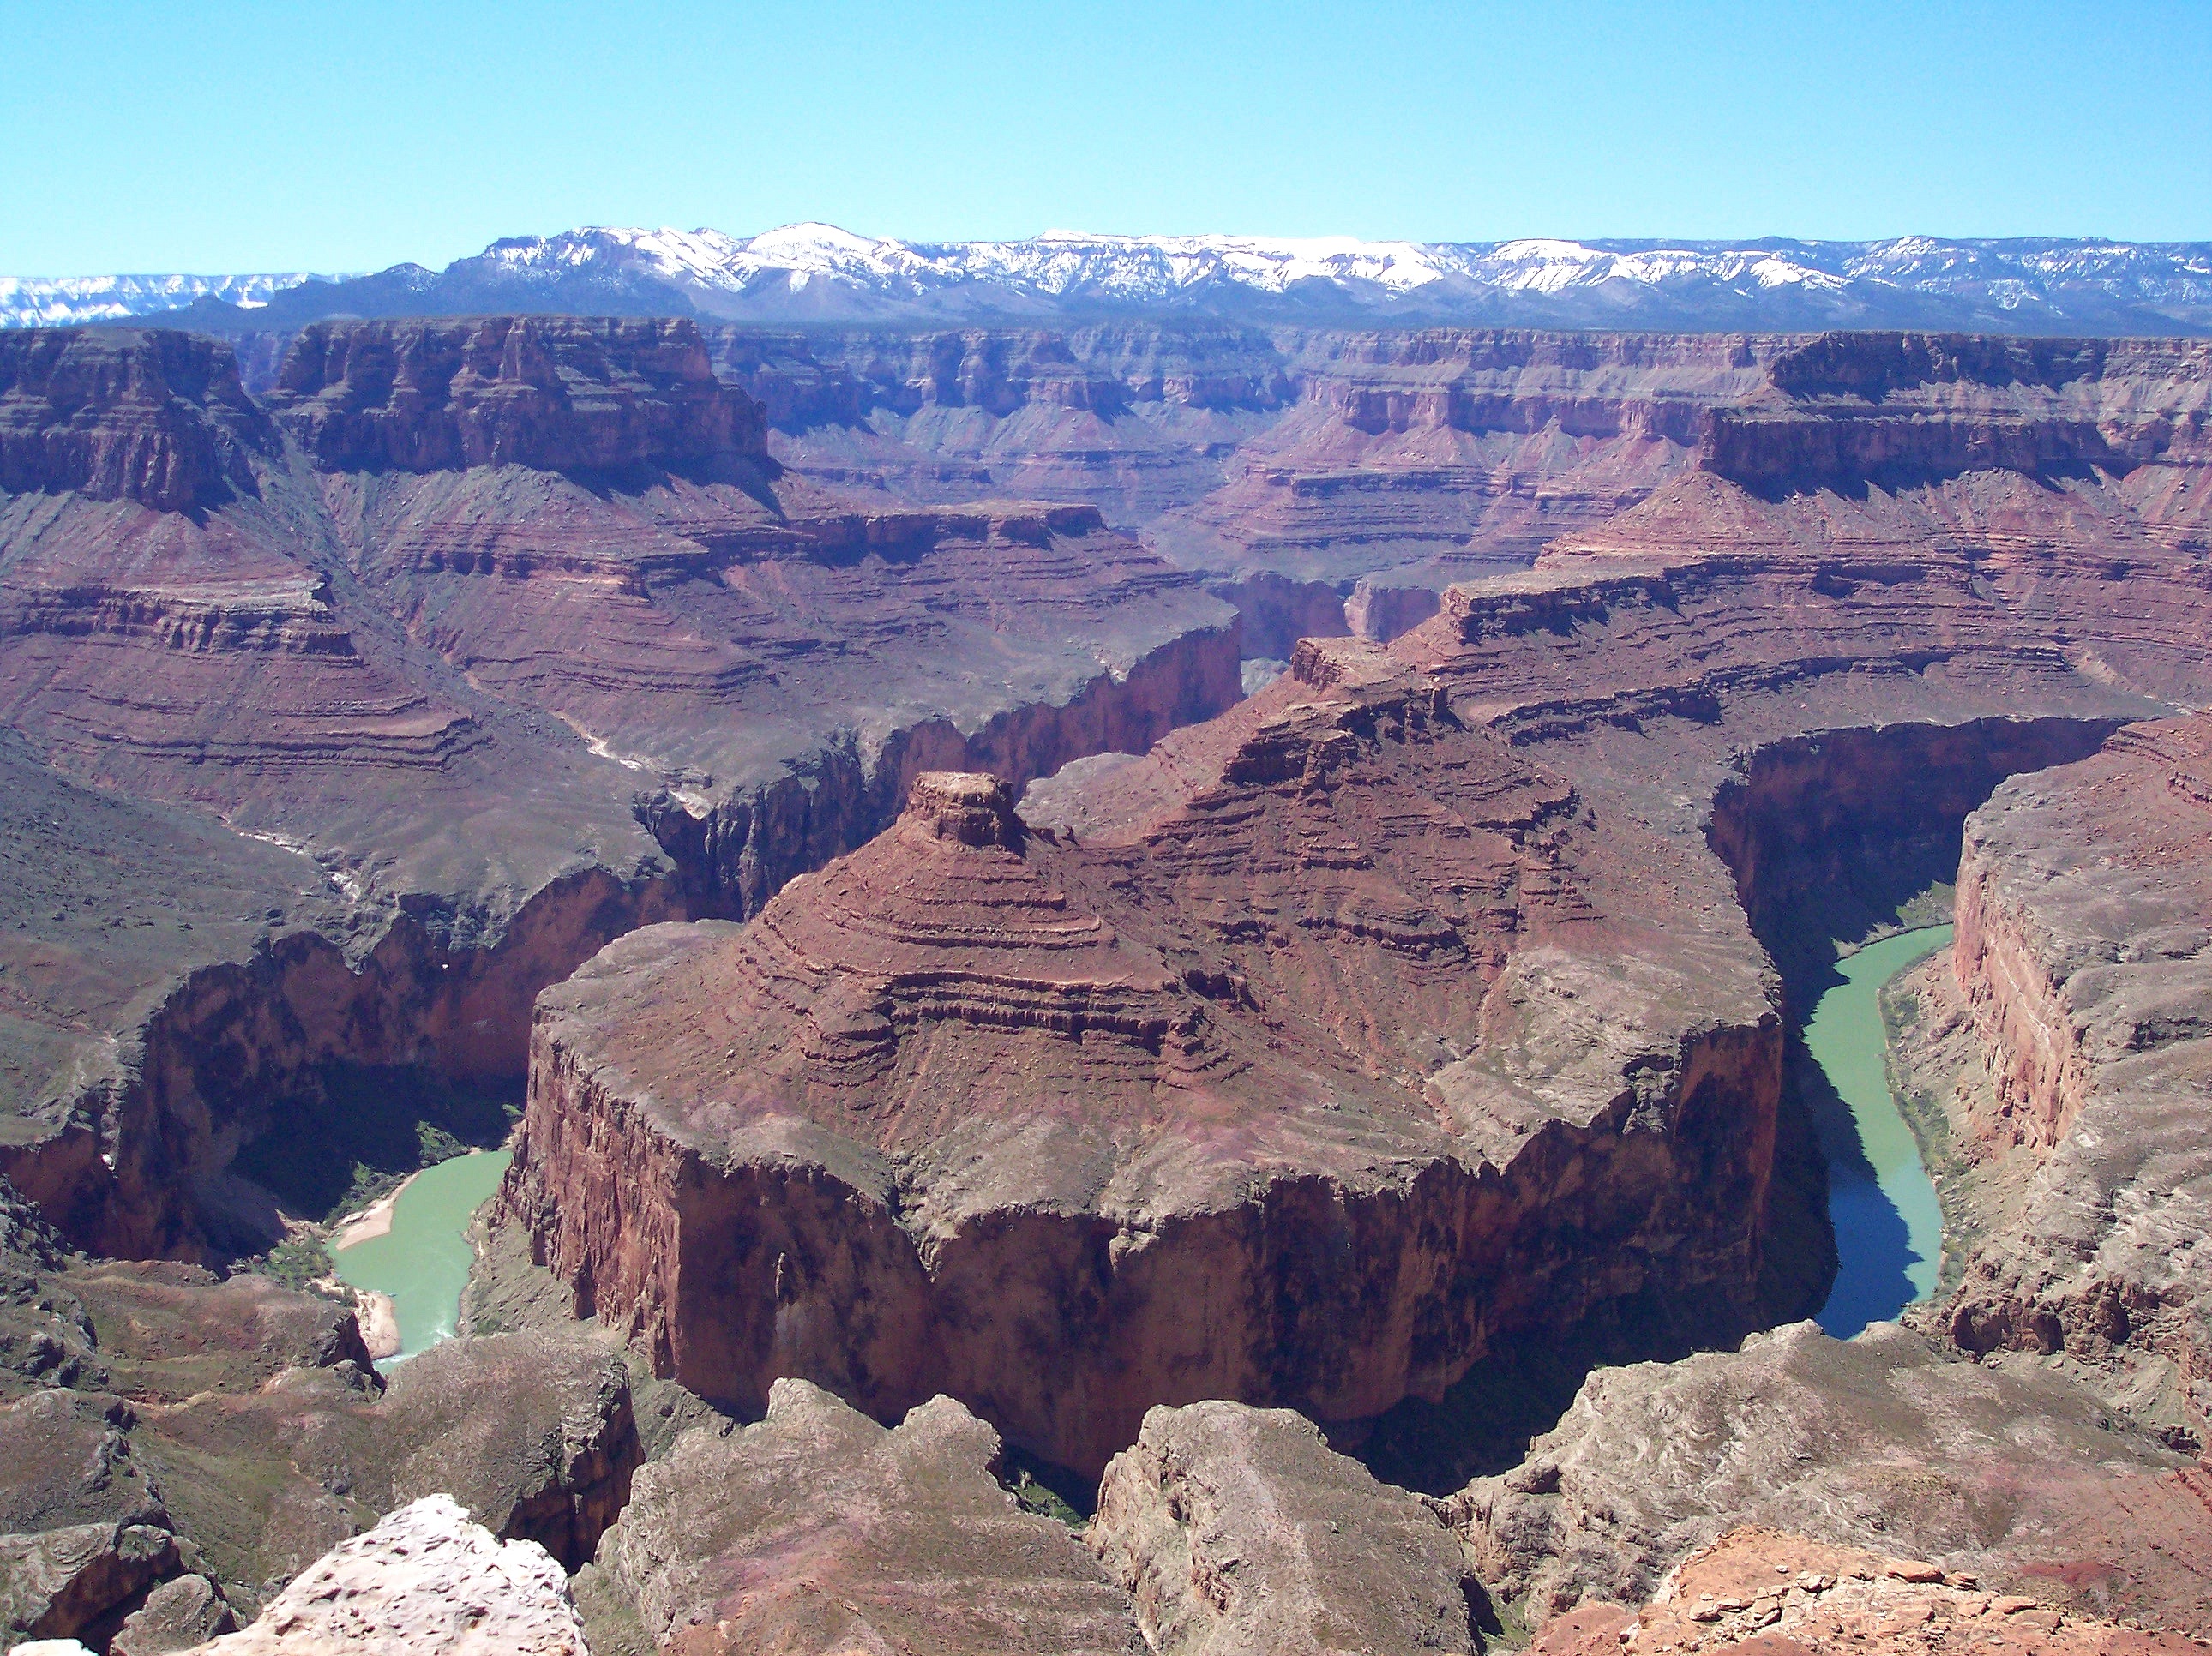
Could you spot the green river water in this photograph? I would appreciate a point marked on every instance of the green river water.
(1889, 1228)
(423, 1262)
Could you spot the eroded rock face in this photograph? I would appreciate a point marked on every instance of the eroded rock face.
(2011, 1473)
(819, 1532)
(1053, 1126)
(425, 1581)
(553, 393)
(1239, 1532)
(534, 1432)
(61, 1582)
(1757, 1589)
(2085, 916)
(507, 638)
(550, 1462)
(177, 1615)
(243, 1418)
(157, 418)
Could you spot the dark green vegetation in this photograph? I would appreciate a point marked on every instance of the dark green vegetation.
(298, 1260)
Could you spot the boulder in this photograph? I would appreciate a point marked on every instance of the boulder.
(1238, 1531)
(425, 1581)
(819, 1531)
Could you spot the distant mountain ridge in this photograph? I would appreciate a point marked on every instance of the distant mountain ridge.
(815, 273)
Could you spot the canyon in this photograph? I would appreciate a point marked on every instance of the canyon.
(449, 635)
(1143, 905)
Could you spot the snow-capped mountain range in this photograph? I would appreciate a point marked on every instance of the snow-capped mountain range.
(56, 301)
(816, 273)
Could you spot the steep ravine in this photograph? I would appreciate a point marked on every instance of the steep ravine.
(1829, 837)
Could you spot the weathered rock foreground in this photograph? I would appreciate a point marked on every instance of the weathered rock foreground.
(819, 1530)
(174, 1448)
(1759, 1590)
(1239, 1531)
(425, 1581)
(2013, 1474)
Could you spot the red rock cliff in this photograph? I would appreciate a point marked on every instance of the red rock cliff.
(121, 415)
(1260, 1095)
(556, 393)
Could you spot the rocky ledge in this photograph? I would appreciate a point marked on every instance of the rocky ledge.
(1759, 1590)
(2076, 1106)
(425, 1581)
(818, 1529)
(2002, 1470)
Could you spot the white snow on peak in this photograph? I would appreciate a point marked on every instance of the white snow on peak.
(1064, 265)
(57, 302)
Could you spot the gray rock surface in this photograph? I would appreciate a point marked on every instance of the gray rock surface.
(426, 1581)
(1239, 1531)
(1883, 1441)
(176, 1616)
(818, 1529)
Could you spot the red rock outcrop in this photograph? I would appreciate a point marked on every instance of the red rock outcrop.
(1758, 1590)
(156, 418)
(553, 393)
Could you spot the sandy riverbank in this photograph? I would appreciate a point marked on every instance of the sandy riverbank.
(374, 1220)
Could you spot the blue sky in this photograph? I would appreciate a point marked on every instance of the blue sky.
(330, 137)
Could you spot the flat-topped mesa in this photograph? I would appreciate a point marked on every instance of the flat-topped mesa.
(152, 417)
(555, 393)
(1052, 1123)
(972, 807)
(1846, 412)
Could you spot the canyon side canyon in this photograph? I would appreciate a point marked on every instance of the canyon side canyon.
(1143, 977)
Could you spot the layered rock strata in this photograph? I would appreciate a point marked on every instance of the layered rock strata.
(1052, 1124)
(2009, 1472)
(2084, 915)
(1326, 455)
(501, 637)
(818, 1531)
(1742, 691)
